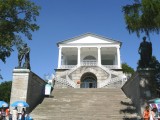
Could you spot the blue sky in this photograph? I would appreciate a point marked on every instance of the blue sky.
(63, 19)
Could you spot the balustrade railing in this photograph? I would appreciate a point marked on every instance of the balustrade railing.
(71, 82)
(111, 66)
(67, 72)
(67, 81)
(109, 81)
(112, 71)
(72, 70)
(62, 80)
(89, 63)
(67, 66)
(120, 77)
(106, 68)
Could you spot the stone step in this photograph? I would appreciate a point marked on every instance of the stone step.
(85, 104)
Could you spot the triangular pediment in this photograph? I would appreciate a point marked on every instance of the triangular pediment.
(90, 39)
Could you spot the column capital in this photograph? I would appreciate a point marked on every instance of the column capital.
(117, 47)
(79, 47)
(99, 47)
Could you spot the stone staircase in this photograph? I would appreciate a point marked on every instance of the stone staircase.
(85, 104)
(100, 73)
(106, 77)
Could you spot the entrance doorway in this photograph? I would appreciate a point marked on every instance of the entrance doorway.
(88, 80)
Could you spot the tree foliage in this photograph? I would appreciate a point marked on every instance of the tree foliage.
(0, 75)
(127, 69)
(5, 91)
(143, 16)
(154, 64)
(17, 17)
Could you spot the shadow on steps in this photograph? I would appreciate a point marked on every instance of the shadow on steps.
(129, 111)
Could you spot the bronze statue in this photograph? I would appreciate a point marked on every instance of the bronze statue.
(24, 51)
(145, 51)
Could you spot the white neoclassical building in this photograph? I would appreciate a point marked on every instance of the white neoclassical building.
(89, 61)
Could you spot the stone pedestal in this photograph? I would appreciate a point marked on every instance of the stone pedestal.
(20, 84)
(27, 86)
(139, 88)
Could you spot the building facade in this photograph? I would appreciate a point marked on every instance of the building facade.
(89, 61)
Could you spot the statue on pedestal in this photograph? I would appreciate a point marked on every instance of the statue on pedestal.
(24, 51)
(145, 51)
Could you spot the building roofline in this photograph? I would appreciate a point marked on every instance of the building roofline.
(87, 34)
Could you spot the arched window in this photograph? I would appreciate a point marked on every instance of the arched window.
(89, 58)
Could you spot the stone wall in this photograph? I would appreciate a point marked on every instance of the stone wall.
(139, 88)
(27, 86)
(100, 74)
(60, 85)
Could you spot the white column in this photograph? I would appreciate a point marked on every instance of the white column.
(99, 56)
(60, 57)
(118, 58)
(79, 56)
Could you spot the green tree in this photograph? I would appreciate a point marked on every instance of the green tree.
(5, 91)
(154, 64)
(17, 18)
(127, 69)
(143, 16)
(1, 75)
